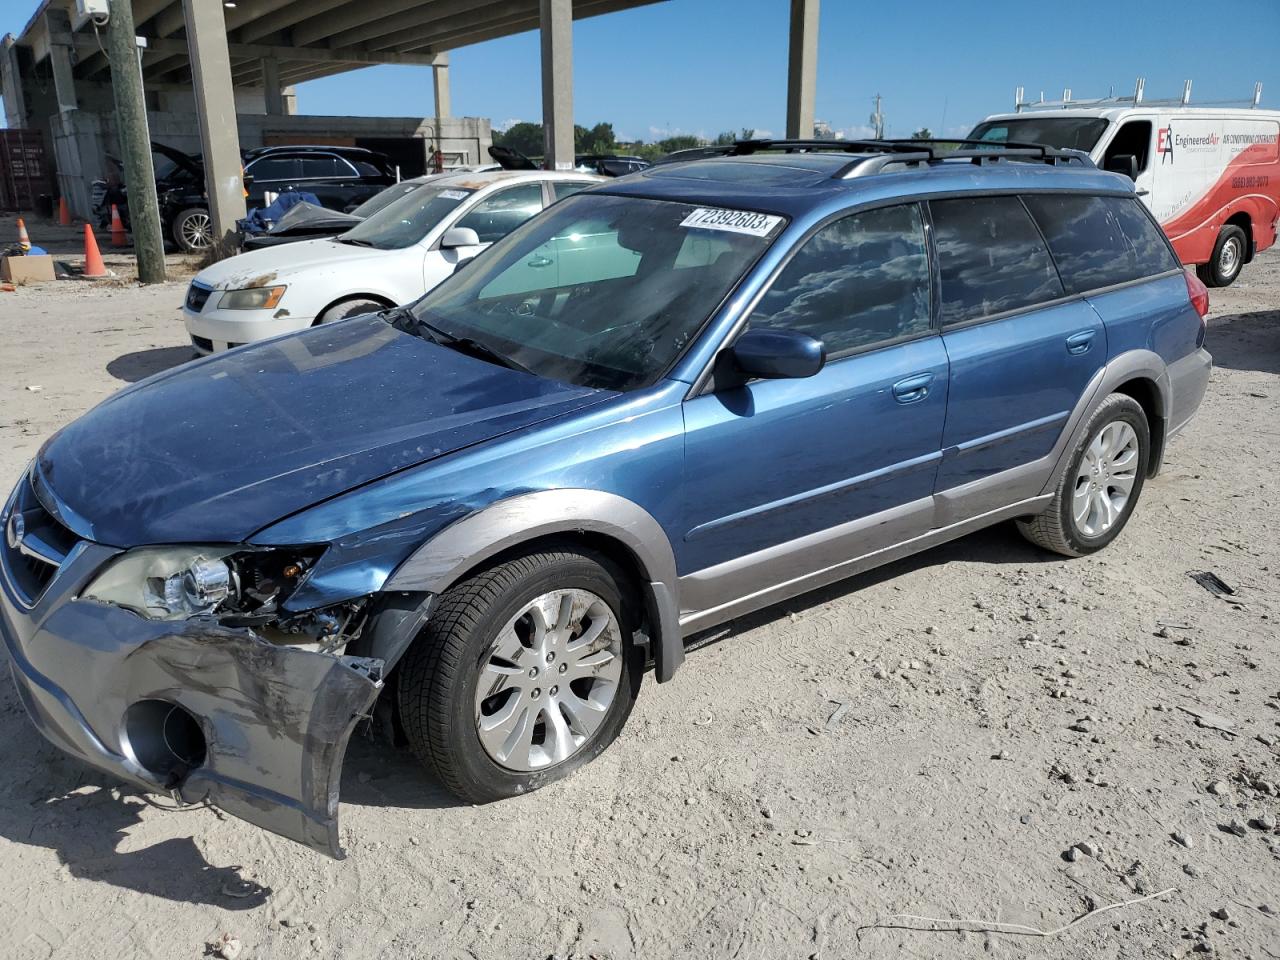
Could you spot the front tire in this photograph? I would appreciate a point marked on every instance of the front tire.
(1228, 258)
(192, 229)
(525, 672)
(349, 308)
(1097, 493)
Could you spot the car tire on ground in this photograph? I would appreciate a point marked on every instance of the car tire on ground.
(349, 308)
(1228, 257)
(1099, 489)
(192, 229)
(526, 671)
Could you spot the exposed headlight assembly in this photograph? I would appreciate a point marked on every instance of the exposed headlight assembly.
(251, 298)
(174, 583)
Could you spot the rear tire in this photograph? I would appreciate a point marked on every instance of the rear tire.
(349, 308)
(1099, 489)
(1228, 258)
(495, 696)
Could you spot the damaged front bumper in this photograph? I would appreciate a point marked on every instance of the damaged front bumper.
(264, 727)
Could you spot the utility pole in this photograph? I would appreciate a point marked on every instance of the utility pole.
(135, 142)
(877, 120)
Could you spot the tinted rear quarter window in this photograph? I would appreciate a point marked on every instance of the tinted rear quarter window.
(1099, 241)
(991, 258)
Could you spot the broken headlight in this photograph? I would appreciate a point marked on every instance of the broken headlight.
(174, 583)
(251, 298)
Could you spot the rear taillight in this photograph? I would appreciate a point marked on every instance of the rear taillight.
(1199, 294)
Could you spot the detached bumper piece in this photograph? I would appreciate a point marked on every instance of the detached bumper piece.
(211, 712)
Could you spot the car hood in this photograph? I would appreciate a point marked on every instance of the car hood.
(220, 448)
(261, 268)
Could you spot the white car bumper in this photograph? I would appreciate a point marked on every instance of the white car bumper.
(213, 330)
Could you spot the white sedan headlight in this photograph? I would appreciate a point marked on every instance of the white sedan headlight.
(167, 583)
(251, 298)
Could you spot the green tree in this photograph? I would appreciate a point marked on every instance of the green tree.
(924, 133)
(524, 137)
(597, 139)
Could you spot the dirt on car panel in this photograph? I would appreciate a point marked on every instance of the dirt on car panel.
(276, 719)
(262, 281)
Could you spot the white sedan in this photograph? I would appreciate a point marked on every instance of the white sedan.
(391, 258)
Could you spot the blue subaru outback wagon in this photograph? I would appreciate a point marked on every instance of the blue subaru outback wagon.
(665, 402)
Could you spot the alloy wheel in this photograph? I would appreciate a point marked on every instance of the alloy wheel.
(197, 231)
(1105, 479)
(548, 680)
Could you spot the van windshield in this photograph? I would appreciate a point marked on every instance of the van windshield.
(1065, 133)
(599, 291)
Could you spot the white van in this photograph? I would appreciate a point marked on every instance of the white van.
(1210, 175)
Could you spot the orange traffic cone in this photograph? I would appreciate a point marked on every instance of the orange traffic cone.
(118, 238)
(93, 265)
(64, 215)
(24, 241)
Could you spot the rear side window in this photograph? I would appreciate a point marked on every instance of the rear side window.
(859, 281)
(1151, 248)
(1091, 243)
(990, 258)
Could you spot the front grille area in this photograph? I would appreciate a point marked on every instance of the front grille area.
(35, 544)
(197, 297)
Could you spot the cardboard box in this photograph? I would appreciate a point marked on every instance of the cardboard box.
(26, 269)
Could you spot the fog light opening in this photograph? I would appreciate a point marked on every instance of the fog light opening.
(164, 739)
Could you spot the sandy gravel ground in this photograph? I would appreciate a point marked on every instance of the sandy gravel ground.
(930, 739)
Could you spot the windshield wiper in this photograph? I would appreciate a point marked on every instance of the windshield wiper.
(466, 345)
(357, 242)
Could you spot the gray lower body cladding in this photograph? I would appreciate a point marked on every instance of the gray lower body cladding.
(273, 721)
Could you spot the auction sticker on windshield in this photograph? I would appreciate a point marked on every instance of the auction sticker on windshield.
(453, 194)
(731, 221)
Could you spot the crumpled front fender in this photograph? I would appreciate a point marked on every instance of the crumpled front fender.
(275, 719)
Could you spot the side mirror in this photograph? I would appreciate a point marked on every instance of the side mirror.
(1125, 163)
(779, 354)
(456, 237)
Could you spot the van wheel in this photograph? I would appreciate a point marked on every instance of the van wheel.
(349, 308)
(1098, 491)
(1228, 257)
(524, 672)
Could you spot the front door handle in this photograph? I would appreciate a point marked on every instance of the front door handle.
(913, 389)
(1079, 343)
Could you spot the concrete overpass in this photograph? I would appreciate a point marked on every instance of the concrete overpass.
(221, 50)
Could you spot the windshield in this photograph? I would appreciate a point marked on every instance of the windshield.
(600, 291)
(407, 219)
(383, 198)
(1066, 133)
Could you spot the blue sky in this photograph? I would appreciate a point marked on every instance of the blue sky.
(702, 66)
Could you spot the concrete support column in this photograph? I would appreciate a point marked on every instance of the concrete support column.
(216, 110)
(289, 97)
(15, 101)
(557, 83)
(58, 24)
(272, 91)
(802, 69)
(441, 73)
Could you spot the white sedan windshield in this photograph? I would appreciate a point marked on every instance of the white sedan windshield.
(407, 220)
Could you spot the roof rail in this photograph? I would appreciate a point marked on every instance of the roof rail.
(872, 156)
(1137, 97)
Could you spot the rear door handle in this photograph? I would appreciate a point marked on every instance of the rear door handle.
(913, 389)
(1079, 343)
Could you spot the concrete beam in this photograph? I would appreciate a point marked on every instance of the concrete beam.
(557, 83)
(465, 33)
(216, 109)
(405, 19)
(802, 69)
(144, 10)
(284, 18)
(290, 97)
(441, 77)
(252, 51)
(271, 87)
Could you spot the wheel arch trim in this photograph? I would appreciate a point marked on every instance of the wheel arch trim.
(442, 560)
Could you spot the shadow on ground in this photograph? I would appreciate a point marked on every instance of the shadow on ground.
(1246, 341)
(132, 367)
